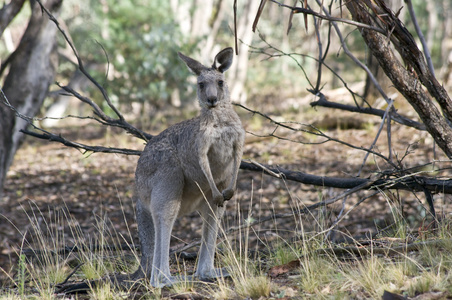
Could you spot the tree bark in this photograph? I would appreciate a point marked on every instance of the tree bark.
(409, 80)
(32, 70)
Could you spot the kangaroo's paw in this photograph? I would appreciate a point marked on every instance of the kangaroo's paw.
(227, 194)
(218, 200)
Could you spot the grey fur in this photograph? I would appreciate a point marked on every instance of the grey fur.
(189, 166)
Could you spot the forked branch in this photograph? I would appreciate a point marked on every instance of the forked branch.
(117, 122)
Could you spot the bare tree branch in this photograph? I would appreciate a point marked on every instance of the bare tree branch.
(45, 135)
(95, 149)
(80, 62)
(120, 121)
(8, 12)
(310, 129)
(354, 59)
(368, 110)
(421, 36)
(308, 11)
(408, 83)
(380, 129)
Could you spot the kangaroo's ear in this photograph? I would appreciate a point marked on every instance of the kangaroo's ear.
(194, 66)
(223, 59)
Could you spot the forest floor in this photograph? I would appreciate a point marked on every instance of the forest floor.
(56, 188)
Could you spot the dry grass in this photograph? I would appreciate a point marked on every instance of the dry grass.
(320, 275)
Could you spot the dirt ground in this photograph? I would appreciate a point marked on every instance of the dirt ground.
(49, 182)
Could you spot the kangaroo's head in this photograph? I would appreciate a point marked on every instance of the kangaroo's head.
(212, 88)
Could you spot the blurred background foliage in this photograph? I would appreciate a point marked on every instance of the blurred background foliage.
(130, 46)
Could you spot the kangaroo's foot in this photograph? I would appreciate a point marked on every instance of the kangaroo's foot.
(213, 274)
(163, 281)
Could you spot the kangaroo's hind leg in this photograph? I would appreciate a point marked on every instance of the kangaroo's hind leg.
(146, 235)
(165, 201)
(211, 214)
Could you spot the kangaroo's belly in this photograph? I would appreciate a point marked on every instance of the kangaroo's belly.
(197, 191)
(221, 157)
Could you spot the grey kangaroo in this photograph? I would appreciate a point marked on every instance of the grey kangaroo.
(189, 166)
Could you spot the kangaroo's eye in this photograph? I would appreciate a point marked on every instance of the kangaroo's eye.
(201, 85)
(220, 83)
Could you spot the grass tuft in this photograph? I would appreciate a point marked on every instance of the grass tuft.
(254, 287)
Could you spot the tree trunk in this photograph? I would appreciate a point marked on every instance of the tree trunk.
(409, 80)
(239, 69)
(32, 70)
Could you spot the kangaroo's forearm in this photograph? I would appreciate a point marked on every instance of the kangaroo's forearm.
(205, 167)
(235, 171)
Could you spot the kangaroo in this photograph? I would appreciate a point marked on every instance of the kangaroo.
(190, 166)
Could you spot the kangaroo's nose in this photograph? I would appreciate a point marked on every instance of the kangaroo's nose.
(212, 101)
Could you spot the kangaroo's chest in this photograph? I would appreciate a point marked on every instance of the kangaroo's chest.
(222, 141)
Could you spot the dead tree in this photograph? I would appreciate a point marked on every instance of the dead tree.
(412, 75)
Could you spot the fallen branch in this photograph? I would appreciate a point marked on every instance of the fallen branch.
(70, 275)
(410, 182)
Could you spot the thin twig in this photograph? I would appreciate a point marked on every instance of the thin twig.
(320, 55)
(235, 28)
(338, 220)
(389, 135)
(311, 130)
(308, 11)
(353, 58)
(80, 62)
(380, 129)
(71, 274)
(427, 55)
(282, 53)
(120, 122)
(267, 170)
